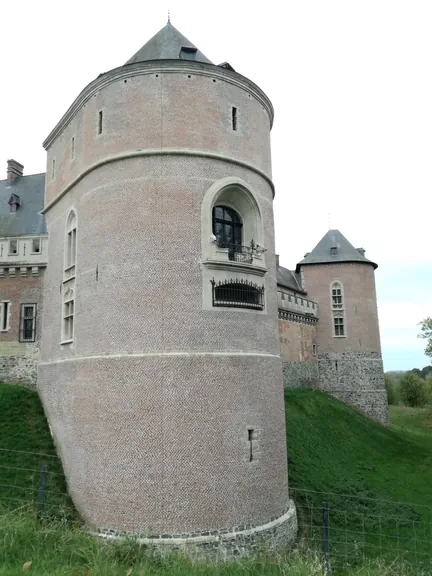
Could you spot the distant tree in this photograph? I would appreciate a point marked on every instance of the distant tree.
(426, 333)
(390, 386)
(413, 390)
(426, 372)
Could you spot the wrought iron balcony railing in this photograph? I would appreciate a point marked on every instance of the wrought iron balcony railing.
(240, 253)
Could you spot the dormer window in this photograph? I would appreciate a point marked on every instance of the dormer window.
(36, 246)
(13, 247)
(187, 53)
(14, 202)
(333, 250)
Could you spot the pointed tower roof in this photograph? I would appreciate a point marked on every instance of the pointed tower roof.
(334, 247)
(168, 44)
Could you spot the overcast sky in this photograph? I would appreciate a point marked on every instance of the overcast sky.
(351, 84)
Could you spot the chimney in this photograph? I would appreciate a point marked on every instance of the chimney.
(277, 260)
(14, 171)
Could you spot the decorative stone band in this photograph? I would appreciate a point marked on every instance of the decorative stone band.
(277, 534)
(24, 271)
(160, 152)
(162, 66)
(295, 317)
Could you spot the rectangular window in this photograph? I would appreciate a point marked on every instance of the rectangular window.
(71, 248)
(36, 246)
(234, 118)
(73, 148)
(339, 327)
(27, 323)
(314, 350)
(53, 169)
(5, 307)
(100, 122)
(68, 320)
(13, 246)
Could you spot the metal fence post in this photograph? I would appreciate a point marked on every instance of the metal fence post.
(41, 491)
(325, 537)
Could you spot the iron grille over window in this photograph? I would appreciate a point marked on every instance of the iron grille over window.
(27, 323)
(238, 294)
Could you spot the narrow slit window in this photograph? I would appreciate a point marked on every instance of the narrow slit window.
(53, 168)
(5, 311)
(314, 350)
(28, 323)
(73, 148)
(251, 438)
(234, 118)
(100, 122)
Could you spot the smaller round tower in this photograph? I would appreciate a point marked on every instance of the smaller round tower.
(342, 281)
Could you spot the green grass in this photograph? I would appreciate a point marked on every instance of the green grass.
(25, 446)
(335, 454)
(377, 481)
(412, 420)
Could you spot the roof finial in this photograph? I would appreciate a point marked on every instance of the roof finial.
(169, 17)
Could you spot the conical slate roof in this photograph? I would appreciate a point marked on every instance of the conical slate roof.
(168, 44)
(334, 247)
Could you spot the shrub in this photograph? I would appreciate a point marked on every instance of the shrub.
(390, 386)
(413, 390)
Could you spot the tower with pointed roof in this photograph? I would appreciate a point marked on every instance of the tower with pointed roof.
(161, 373)
(341, 280)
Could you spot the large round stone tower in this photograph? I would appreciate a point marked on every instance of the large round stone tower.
(342, 281)
(161, 373)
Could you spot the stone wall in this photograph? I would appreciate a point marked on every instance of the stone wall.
(277, 535)
(18, 363)
(300, 374)
(356, 378)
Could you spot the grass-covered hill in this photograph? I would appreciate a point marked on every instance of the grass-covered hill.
(335, 455)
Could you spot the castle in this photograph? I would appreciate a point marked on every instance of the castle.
(139, 281)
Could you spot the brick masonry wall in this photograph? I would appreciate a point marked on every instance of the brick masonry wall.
(151, 405)
(18, 360)
(350, 368)
(300, 368)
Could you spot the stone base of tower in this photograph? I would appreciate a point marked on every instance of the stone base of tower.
(276, 535)
(356, 378)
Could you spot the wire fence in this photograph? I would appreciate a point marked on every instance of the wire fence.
(352, 529)
(39, 484)
(348, 529)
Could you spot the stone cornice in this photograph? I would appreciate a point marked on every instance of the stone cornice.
(159, 152)
(162, 66)
(235, 267)
(297, 317)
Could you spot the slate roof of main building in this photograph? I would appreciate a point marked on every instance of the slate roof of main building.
(27, 220)
(167, 44)
(288, 279)
(345, 251)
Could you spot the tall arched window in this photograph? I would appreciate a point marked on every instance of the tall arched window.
(227, 227)
(69, 292)
(337, 295)
(338, 309)
(71, 239)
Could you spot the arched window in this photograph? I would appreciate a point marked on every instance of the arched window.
(337, 295)
(71, 238)
(227, 227)
(338, 309)
(68, 304)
